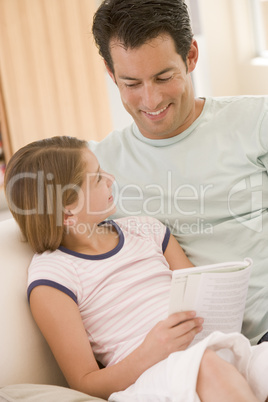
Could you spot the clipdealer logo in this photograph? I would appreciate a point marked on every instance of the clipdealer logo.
(253, 184)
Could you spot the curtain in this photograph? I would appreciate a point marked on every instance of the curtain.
(52, 77)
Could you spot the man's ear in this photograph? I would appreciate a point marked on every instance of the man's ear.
(192, 56)
(111, 74)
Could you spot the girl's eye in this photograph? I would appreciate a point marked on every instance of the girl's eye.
(99, 177)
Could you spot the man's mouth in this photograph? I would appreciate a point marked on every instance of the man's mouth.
(158, 112)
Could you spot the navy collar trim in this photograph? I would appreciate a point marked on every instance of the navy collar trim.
(99, 256)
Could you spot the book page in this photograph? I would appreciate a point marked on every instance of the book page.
(216, 292)
(177, 293)
(221, 301)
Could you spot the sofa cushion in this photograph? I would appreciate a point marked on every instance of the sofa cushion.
(42, 393)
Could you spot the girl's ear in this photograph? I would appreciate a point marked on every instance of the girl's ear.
(69, 219)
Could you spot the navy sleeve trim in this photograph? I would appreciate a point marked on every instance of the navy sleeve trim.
(166, 240)
(52, 284)
(263, 339)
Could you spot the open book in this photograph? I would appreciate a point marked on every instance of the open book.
(216, 292)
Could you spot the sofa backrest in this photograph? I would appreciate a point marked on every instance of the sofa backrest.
(24, 354)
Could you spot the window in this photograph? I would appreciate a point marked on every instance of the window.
(260, 24)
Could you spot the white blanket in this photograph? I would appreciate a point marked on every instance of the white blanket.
(174, 379)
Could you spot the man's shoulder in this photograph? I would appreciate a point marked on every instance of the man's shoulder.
(115, 138)
(254, 100)
(243, 107)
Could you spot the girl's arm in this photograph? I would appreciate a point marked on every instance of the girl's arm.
(58, 318)
(175, 255)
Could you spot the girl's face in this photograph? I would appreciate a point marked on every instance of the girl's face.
(95, 199)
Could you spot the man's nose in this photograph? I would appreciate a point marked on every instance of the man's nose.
(151, 97)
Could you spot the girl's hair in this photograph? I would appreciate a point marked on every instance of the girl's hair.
(42, 178)
(134, 22)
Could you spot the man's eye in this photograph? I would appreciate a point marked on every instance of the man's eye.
(131, 85)
(164, 79)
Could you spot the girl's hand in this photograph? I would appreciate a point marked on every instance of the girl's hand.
(171, 335)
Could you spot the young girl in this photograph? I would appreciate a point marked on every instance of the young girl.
(99, 289)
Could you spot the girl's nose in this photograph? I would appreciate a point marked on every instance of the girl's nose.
(110, 178)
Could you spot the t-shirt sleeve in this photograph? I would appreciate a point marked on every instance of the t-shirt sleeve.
(54, 270)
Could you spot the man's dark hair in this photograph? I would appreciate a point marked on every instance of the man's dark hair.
(134, 22)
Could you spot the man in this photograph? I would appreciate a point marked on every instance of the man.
(198, 165)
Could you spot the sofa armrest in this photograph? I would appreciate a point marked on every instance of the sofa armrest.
(25, 355)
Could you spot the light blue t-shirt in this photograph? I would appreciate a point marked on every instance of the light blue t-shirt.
(209, 185)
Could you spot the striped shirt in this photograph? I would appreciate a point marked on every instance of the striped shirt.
(121, 294)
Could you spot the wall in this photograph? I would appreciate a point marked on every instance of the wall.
(229, 37)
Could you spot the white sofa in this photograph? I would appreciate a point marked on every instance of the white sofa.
(28, 371)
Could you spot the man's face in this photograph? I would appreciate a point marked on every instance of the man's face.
(155, 86)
